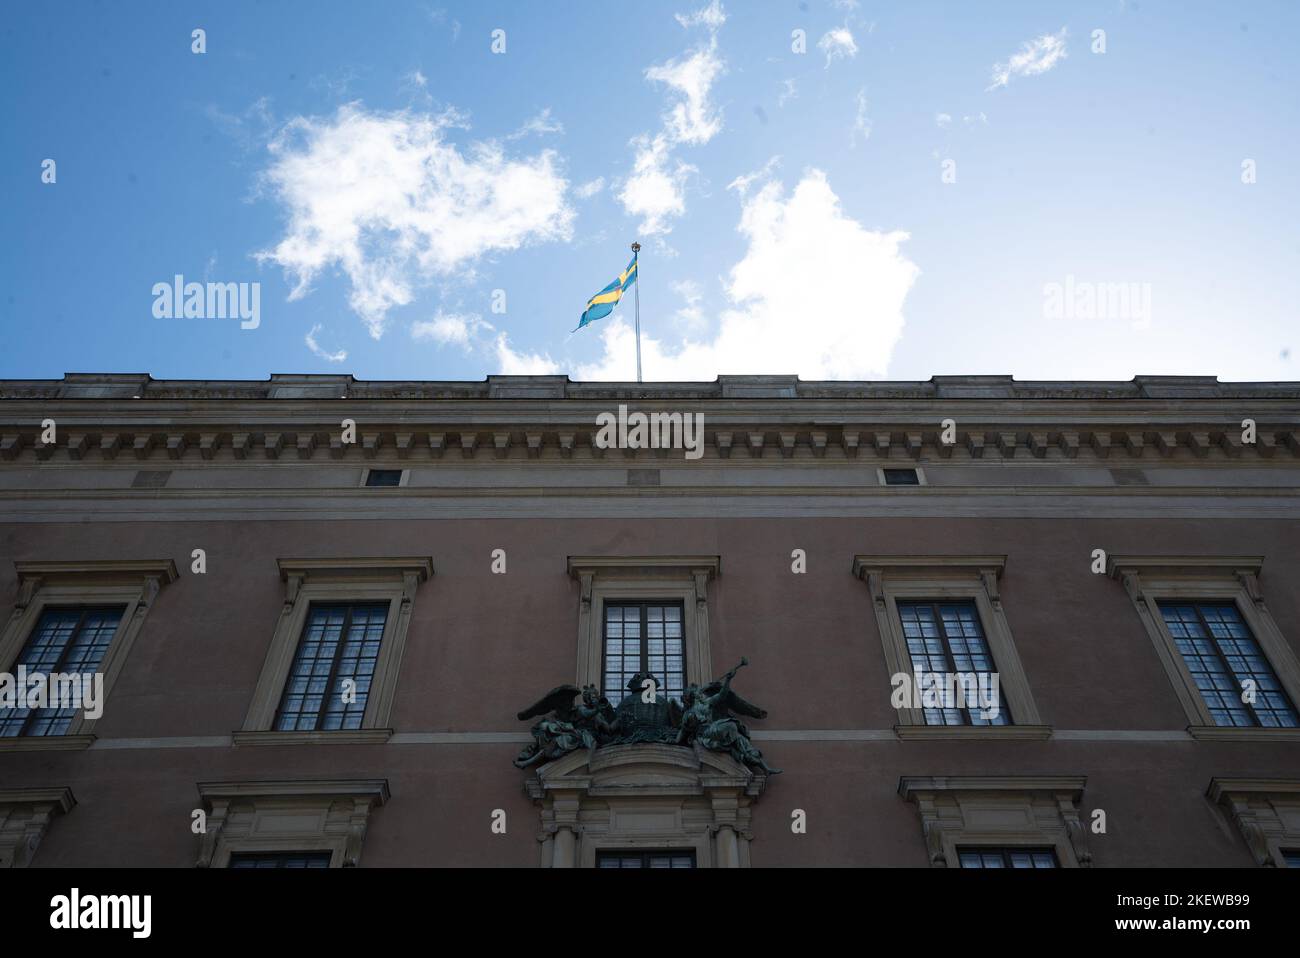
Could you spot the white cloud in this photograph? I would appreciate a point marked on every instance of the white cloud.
(384, 198)
(817, 294)
(744, 181)
(416, 78)
(689, 317)
(445, 328)
(1035, 56)
(539, 125)
(655, 189)
(511, 363)
(837, 44)
(943, 120)
(585, 191)
(711, 16)
(788, 93)
(692, 119)
(315, 347)
(861, 122)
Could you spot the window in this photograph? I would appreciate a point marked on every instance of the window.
(677, 582)
(943, 616)
(337, 656)
(1213, 633)
(280, 860)
(65, 641)
(636, 859)
(995, 821)
(1006, 857)
(901, 477)
(643, 637)
(1223, 657)
(383, 477)
(946, 639)
(74, 617)
(344, 621)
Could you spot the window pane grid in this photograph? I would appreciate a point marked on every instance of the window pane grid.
(339, 643)
(946, 638)
(1222, 656)
(67, 641)
(643, 637)
(655, 859)
(280, 860)
(995, 857)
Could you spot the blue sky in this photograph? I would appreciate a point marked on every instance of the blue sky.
(904, 199)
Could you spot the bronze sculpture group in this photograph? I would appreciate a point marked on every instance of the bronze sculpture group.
(573, 718)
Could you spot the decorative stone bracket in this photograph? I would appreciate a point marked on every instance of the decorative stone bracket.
(25, 815)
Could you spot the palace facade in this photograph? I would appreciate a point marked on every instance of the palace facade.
(316, 606)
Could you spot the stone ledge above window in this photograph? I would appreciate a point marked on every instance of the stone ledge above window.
(1226, 733)
(1266, 811)
(931, 733)
(46, 743)
(25, 815)
(288, 816)
(1029, 810)
(365, 736)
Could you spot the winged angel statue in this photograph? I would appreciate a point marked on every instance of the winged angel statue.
(709, 722)
(566, 724)
(703, 718)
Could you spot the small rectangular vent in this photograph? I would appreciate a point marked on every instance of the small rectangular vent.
(901, 477)
(151, 479)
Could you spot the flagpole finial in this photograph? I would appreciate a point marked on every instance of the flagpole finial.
(636, 247)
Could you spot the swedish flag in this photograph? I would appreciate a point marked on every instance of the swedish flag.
(603, 303)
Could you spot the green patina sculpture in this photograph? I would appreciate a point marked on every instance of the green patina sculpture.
(703, 719)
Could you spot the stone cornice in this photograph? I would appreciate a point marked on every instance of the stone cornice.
(339, 386)
(128, 418)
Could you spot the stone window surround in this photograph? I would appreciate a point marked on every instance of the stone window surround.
(999, 810)
(1150, 579)
(604, 579)
(133, 584)
(25, 815)
(308, 581)
(288, 816)
(891, 578)
(1266, 811)
(647, 796)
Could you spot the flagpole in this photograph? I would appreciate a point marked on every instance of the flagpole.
(636, 252)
